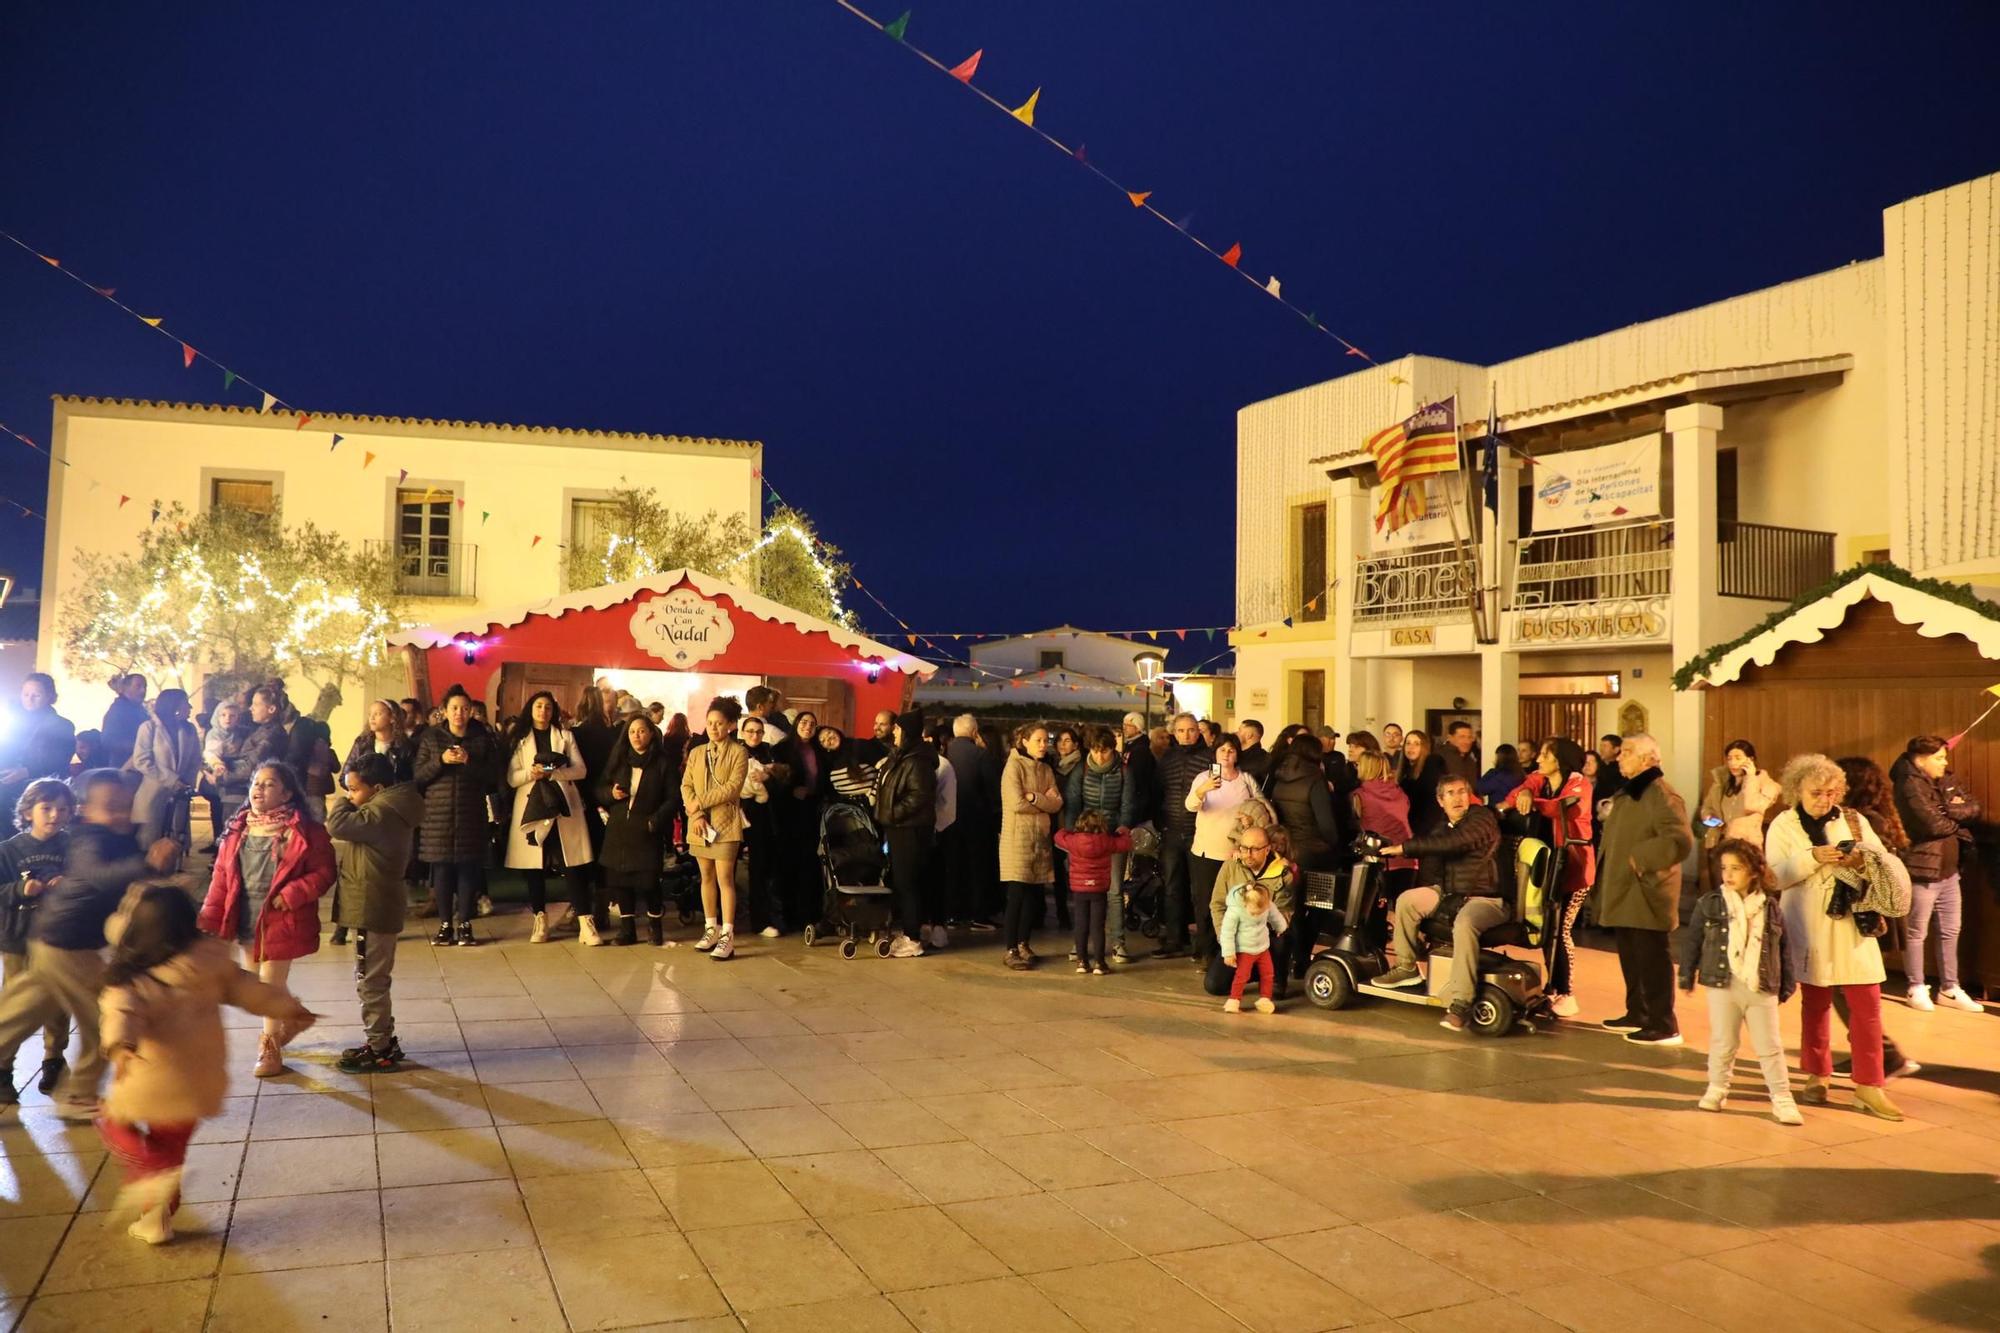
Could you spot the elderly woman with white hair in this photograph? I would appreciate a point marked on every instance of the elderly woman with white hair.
(1830, 866)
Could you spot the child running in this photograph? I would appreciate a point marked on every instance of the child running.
(1248, 924)
(31, 863)
(1735, 951)
(164, 989)
(1091, 847)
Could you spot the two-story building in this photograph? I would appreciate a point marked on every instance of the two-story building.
(1658, 489)
(480, 516)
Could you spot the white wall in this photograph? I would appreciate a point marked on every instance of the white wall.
(520, 475)
(1104, 655)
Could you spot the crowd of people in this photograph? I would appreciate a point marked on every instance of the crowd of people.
(1199, 835)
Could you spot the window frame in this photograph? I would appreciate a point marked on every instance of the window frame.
(211, 476)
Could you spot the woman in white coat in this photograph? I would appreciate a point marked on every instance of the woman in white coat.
(547, 834)
(1816, 848)
(167, 754)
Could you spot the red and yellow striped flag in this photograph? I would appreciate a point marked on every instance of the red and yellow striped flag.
(1423, 445)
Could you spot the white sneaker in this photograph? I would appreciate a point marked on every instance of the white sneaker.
(1963, 1001)
(586, 932)
(485, 905)
(155, 1227)
(1264, 1006)
(1232, 1006)
(906, 947)
(1920, 999)
(1565, 1006)
(540, 934)
(708, 939)
(939, 937)
(1786, 1113)
(770, 932)
(1713, 1099)
(725, 947)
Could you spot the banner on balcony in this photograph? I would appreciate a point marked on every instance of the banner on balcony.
(1609, 484)
(1431, 529)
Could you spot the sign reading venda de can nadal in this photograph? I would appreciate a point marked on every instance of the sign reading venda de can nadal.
(1608, 484)
(682, 629)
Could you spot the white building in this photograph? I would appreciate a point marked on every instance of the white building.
(1064, 667)
(483, 515)
(1847, 416)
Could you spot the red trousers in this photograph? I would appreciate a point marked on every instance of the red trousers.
(146, 1151)
(1245, 962)
(1864, 1031)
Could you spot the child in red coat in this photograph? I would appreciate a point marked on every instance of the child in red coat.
(1090, 847)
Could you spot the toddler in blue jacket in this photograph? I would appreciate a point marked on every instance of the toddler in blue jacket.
(1247, 927)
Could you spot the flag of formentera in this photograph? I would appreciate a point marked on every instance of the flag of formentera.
(1424, 444)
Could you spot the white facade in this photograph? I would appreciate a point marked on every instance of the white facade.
(1802, 428)
(465, 501)
(1065, 667)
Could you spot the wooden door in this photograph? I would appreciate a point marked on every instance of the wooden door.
(1546, 718)
(520, 680)
(1312, 698)
(831, 701)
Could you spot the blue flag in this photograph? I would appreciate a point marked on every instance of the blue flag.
(1490, 459)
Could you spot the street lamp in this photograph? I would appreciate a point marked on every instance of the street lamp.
(1150, 665)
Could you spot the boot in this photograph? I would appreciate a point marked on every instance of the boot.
(270, 1060)
(540, 934)
(155, 1226)
(586, 931)
(656, 928)
(628, 929)
(1876, 1102)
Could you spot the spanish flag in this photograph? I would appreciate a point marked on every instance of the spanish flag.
(1422, 445)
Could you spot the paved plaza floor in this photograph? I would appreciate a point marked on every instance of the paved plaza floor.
(632, 1137)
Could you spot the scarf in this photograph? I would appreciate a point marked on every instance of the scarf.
(1746, 932)
(270, 823)
(1816, 828)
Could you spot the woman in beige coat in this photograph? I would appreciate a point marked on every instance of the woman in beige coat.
(712, 793)
(1028, 796)
(1739, 792)
(164, 989)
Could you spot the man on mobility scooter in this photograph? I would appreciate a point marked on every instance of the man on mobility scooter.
(1454, 863)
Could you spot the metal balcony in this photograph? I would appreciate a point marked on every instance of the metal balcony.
(1430, 583)
(1769, 563)
(426, 567)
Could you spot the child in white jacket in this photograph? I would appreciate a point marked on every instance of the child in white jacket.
(1247, 927)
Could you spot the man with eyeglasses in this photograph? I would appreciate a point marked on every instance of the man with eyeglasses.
(1254, 864)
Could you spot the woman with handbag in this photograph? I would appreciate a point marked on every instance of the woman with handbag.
(1558, 792)
(547, 834)
(1838, 882)
(639, 793)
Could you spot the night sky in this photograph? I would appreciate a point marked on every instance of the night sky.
(968, 358)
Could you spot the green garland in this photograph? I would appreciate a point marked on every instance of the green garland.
(1956, 593)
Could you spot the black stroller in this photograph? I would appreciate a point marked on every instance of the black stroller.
(855, 868)
(1145, 896)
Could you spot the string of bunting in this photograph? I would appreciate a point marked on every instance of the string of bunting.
(964, 71)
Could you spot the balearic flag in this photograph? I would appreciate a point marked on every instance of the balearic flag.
(1422, 445)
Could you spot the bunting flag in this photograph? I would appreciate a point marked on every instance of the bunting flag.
(536, 542)
(336, 444)
(269, 400)
(461, 499)
(1025, 113)
(402, 475)
(1993, 690)
(50, 262)
(106, 292)
(304, 417)
(1181, 634)
(1272, 286)
(966, 68)
(484, 514)
(152, 321)
(156, 513)
(228, 378)
(898, 28)
(187, 357)
(124, 500)
(1138, 197)
(1079, 154)
(1233, 254)
(367, 457)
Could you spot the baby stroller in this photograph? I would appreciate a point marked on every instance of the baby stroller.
(855, 868)
(1145, 898)
(680, 884)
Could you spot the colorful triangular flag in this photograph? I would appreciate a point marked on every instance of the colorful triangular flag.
(1079, 154)
(1233, 254)
(536, 542)
(124, 500)
(1025, 113)
(1138, 197)
(367, 457)
(106, 292)
(228, 378)
(461, 504)
(898, 28)
(187, 356)
(966, 68)
(50, 262)
(336, 444)
(1288, 622)
(156, 513)
(402, 475)
(269, 400)
(1181, 634)
(484, 514)
(1272, 287)
(304, 417)
(152, 320)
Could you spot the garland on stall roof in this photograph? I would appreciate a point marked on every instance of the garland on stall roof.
(1956, 593)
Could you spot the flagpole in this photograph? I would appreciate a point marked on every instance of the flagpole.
(1474, 603)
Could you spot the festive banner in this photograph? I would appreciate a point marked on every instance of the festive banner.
(1608, 484)
(966, 68)
(1423, 444)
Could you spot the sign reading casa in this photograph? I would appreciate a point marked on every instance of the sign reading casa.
(682, 629)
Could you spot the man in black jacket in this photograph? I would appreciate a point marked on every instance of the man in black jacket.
(1251, 756)
(1936, 813)
(1456, 858)
(974, 856)
(1185, 761)
(906, 808)
(1142, 770)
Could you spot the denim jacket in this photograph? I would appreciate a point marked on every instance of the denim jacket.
(1705, 948)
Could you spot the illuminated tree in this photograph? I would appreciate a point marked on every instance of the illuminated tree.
(234, 596)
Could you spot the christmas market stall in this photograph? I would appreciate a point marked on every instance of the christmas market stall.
(1858, 667)
(677, 638)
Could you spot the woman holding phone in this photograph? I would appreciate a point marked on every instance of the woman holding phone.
(1214, 799)
(547, 834)
(456, 760)
(712, 792)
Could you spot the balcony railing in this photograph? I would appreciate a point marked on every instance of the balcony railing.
(1430, 583)
(429, 568)
(1770, 563)
(1594, 565)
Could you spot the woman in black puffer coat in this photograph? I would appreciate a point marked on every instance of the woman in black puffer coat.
(455, 766)
(639, 791)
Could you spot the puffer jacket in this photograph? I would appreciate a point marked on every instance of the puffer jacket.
(1935, 813)
(1142, 780)
(1027, 855)
(907, 796)
(1101, 789)
(1298, 789)
(1458, 858)
(455, 816)
(371, 847)
(1705, 948)
(400, 754)
(1179, 769)
(171, 1020)
(288, 927)
(1090, 858)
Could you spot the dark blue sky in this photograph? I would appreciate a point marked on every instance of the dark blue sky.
(967, 357)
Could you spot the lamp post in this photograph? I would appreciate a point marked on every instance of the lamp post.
(1149, 665)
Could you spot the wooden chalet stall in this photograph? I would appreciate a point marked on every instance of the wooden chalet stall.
(1858, 670)
(679, 637)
